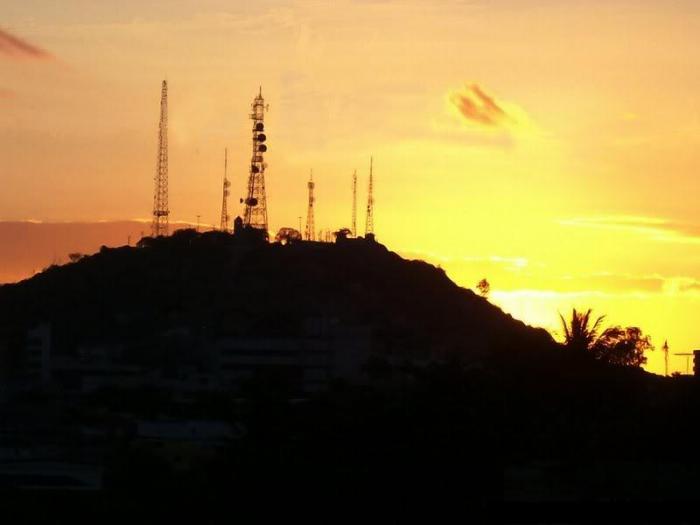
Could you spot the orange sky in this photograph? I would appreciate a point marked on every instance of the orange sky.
(551, 147)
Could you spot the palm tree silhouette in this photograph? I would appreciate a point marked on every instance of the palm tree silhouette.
(581, 333)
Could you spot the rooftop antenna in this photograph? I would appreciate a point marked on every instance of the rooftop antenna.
(224, 204)
(369, 221)
(310, 236)
(161, 211)
(687, 360)
(255, 214)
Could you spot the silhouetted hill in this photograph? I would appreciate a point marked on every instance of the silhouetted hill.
(215, 284)
(491, 402)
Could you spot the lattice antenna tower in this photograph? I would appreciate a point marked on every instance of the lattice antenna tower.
(369, 221)
(224, 204)
(354, 204)
(160, 196)
(665, 351)
(309, 234)
(255, 214)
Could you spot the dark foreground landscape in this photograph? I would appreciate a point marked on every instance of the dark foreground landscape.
(208, 362)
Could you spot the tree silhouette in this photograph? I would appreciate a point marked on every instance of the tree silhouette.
(614, 345)
(581, 333)
(483, 287)
(622, 346)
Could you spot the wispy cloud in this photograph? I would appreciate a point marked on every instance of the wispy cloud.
(518, 274)
(656, 228)
(16, 48)
(512, 263)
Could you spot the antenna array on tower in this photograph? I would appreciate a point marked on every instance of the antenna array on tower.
(255, 215)
(224, 204)
(255, 202)
(160, 196)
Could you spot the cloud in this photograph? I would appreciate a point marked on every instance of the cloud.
(476, 106)
(518, 274)
(509, 263)
(656, 228)
(17, 48)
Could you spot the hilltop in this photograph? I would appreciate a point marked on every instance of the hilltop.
(215, 284)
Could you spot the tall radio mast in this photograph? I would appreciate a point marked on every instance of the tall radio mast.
(160, 196)
(255, 215)
(369, 221)
(224, 204)
(310, 235)
(354, 203)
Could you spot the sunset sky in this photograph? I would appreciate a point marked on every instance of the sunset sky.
(551, 147)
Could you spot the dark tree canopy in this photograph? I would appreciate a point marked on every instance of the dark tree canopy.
(622, 346)
(614, 345)
(483, 287)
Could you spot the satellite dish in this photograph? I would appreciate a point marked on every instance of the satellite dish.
(261, 137)
(262, 147)
(254, 168)
(259, 126)
(251, 201)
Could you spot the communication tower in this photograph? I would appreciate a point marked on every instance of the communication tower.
(224, 205)
(255, 214)
(309, 234)
(354, 203)
(160, 196)
(369, 221)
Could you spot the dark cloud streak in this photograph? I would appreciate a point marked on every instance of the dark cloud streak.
(19, 49)
(477, 106)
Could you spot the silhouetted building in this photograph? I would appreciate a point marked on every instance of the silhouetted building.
(696, 362)
(306, 359)
(38, 365)
(50, 475)
(185, 443)
(237, 225)
(325, 351)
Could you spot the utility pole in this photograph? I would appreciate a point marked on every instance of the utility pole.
(198, 216)
(161, 211)
(255, 215)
